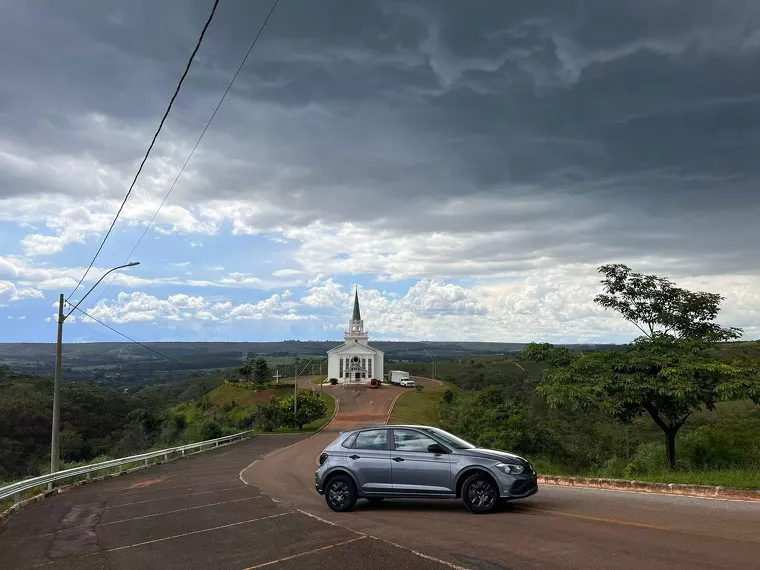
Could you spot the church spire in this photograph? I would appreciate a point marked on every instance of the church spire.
(357, 315)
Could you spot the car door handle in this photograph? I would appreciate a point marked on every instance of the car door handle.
(354, 456)
(397, 459)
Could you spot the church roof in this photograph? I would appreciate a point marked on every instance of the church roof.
(357, 316)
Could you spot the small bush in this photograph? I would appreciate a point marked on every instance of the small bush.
(210, 430)
(334, 381)
(419, 387)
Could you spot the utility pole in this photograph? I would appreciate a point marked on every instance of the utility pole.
(55, 460)
(295, 391)
(54, 443)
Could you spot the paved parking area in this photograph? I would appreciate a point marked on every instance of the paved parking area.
(192, 513)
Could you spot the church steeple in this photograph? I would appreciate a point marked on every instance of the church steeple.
(357, 316)
(356, 324)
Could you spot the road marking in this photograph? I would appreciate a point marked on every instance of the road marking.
(320, 519)
(314, 551)
(631, 523)
(172, 497)
(191, 533)
(178, 511)
(364, 535)
(99, 553)
(421, 554)
(595, 519)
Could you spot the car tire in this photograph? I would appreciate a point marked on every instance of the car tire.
(480, 494)
(340, 494)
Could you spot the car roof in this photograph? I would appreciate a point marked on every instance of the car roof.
(387, 426)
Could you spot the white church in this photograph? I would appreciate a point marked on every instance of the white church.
(355, 360)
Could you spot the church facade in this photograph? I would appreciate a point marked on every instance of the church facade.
(355, 361)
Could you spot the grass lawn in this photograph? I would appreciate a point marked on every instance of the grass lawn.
(419, 407)
(243, 395)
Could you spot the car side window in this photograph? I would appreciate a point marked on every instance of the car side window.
(410, 440)
(349, 443)
(376, 439)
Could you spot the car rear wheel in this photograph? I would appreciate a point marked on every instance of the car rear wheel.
(480, 494)
(340, 494)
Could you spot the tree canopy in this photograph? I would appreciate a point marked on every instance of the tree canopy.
(669, 372)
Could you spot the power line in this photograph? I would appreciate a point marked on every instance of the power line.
(198, 142)
(130, 338)
(153, 142)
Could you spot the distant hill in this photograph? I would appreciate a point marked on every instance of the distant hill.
(128, 365)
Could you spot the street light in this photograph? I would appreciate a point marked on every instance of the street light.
(54, 444)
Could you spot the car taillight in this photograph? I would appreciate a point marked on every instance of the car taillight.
(322, 458)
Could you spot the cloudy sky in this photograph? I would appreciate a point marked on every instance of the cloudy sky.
(467, 165)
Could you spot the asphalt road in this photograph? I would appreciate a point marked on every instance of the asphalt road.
(253, 505)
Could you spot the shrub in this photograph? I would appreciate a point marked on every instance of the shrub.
(210, 430)
(311, 407)
(334, 381)
(269, 415)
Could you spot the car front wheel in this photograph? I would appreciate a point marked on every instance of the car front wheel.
(340, 494)
(480, 494)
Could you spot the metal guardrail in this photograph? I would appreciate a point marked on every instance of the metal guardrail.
(15, 489)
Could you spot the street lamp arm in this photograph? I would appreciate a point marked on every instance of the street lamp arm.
(74, 308)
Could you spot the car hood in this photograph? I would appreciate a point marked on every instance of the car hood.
(494, 454)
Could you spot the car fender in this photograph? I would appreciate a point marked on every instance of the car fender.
(461, 472)
(341, 469)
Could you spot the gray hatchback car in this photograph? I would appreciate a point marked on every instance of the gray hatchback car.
(409, 461)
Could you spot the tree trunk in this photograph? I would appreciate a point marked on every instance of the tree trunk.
(670, 443)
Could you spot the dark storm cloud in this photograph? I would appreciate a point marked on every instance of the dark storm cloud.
(634, 124)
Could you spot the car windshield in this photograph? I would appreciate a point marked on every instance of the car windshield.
(450, 440)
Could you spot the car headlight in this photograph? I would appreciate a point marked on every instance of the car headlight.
(510, 468)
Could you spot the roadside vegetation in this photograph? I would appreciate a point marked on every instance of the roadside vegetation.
(678, 405)
(99, 423)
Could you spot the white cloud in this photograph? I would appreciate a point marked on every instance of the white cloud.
(10, 292)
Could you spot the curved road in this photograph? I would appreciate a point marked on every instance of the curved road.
(253, 505)
(557, 528)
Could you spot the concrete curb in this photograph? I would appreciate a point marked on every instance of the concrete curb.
(702, 491)
(393, 405)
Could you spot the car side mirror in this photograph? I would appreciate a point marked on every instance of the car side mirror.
(436, 448)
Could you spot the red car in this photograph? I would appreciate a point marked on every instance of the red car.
(374, 383)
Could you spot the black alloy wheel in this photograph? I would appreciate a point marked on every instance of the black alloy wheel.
(480, 494)
(340, 494)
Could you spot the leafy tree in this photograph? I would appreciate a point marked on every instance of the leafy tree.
(246, 369)
(270, 415)
(669, 372)
(311, 407)
(260, 371)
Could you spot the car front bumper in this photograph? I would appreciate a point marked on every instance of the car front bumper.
(517, 486)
